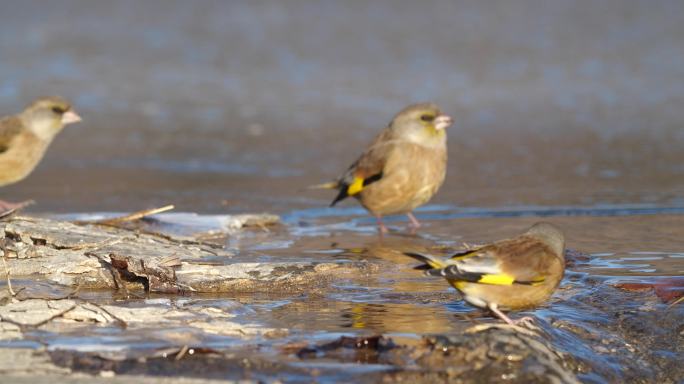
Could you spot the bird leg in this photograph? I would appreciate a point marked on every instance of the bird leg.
(7, 206)
(381, 225)
(497, 312)
(414, 222)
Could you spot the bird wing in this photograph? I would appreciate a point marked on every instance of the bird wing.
(367, 169)
(10, 127)
(522, 260)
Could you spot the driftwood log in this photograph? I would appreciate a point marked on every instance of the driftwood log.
(97, 256)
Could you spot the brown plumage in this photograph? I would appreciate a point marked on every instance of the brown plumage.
(510, 274)
(402, 168)
(25, 137)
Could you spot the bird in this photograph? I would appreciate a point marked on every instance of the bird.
(25, 137)
(510, 274)
(402, 168)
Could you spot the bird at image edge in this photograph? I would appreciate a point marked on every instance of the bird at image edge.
(25, 137)
(510, 274)
(402, 168)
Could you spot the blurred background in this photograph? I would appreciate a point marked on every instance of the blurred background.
(229, 106)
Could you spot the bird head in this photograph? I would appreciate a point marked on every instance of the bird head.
(550, 235)
(48, 116)
(422, 123)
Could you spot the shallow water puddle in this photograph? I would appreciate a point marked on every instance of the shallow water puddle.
(595, 317)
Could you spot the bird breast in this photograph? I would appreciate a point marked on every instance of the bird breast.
(21, 158)
(412, 175)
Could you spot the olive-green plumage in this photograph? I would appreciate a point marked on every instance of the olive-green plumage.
(402, 168)
(510, 274)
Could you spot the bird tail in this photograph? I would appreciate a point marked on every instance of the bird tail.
(436, 266)
(430, 262)
(329, 185)
(333, 185)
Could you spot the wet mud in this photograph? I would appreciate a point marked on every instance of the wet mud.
(615, 317)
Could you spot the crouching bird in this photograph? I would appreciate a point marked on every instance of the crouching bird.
(402, 168)
(510, 274)
(25, 137)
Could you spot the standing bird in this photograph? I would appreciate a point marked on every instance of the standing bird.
(402, 168)
(510, 274)
(25, 137)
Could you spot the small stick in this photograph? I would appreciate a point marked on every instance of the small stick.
(131, 217)
(60, 314)
(182, 352)
(7, 270)
(7, 214)
(17, 207)
(74, 292)
(121, 322)
(101, 244)
(679, 300)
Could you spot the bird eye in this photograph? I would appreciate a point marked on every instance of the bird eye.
(427, 118)
(58, 110)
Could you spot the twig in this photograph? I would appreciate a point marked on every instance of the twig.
(49, 319)
(186, 287)
(198, 242)
(182, 352)
(121, 322)
(75, 292)
(679, 300)
(127, 218)
(8, 213)
(263, 227)
(117, 221)
(100, 244)
(7, 270)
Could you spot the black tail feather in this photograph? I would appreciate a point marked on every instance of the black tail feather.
(422, 267)
(416, 256)
(340, 196)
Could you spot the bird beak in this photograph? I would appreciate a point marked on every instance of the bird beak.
(442, 122)
(70, 117)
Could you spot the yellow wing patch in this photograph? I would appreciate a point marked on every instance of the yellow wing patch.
(496, 279)
(355, 187)
(460, 285)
